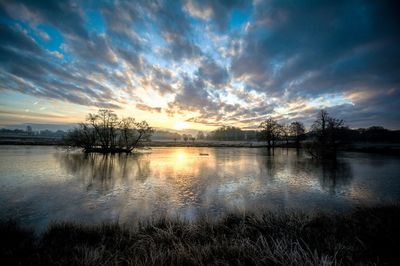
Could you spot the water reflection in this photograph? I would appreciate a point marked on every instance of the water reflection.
(103, 172)
(188, 172)
(333, 177)
(46, 184)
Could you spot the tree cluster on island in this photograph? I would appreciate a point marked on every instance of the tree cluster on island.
(29, 132)
(326, 132)
(105, 132)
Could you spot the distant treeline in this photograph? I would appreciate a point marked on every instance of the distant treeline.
(371, 134)
(165, 135)
(30, 132)
(231, 133)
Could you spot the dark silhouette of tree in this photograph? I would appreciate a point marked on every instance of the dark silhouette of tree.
(326, 136)
(143, 132)
(126, 137)
(284, 132)
(105, 132)
(104, 123)
(269, 131)
(376, 134)
(297, 131)
(83, 137)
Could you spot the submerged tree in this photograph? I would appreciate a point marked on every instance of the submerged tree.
(105, 132)
(270, 130)
(83, 137)
(325, 131)
(284, 133)
(297, 132)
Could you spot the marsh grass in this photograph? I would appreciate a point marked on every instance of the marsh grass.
(364, 236)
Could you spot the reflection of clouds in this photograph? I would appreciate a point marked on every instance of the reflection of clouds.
(293, 168)
(179, 181)
(293, 180)
(331, 177)
(171, 179)
(45, 184)
(362, 195)
(179, 178)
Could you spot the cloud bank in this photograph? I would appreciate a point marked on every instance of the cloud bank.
(213, 62)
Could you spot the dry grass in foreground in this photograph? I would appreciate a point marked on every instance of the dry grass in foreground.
(364, 236)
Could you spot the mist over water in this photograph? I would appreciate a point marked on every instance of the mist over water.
(43, 184)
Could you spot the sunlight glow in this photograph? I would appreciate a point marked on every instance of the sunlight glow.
(180, 156)
(179, 125)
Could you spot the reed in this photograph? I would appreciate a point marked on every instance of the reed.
(362, 236)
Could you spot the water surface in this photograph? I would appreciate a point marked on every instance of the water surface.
(43, 184)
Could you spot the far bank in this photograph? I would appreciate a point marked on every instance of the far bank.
(379, 148)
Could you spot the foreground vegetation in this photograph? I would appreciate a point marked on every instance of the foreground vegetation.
(364, 236)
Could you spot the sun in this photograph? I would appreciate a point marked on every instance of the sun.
(179, 125)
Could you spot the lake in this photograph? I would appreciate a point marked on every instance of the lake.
(41, 184)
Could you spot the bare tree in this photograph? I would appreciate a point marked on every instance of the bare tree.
(334, 126)
(105, 132)
(325, 131)
(326, 128)
(269, 131)
(144, 132)
(83, 137)
(104, 124)
(284, 132)
(297, 131)
(127, 132)
(319, 128)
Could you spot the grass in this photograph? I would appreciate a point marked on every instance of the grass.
(365, 236)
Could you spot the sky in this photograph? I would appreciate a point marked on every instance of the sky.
(199, 65)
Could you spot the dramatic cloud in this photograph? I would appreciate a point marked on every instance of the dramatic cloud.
(207, 62)
(147, 108)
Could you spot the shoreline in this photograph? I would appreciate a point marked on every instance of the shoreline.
(374, 148)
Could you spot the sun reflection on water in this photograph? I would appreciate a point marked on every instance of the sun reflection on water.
(182, 181)
(181, 157)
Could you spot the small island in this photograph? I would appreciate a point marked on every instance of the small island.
(104, 132)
